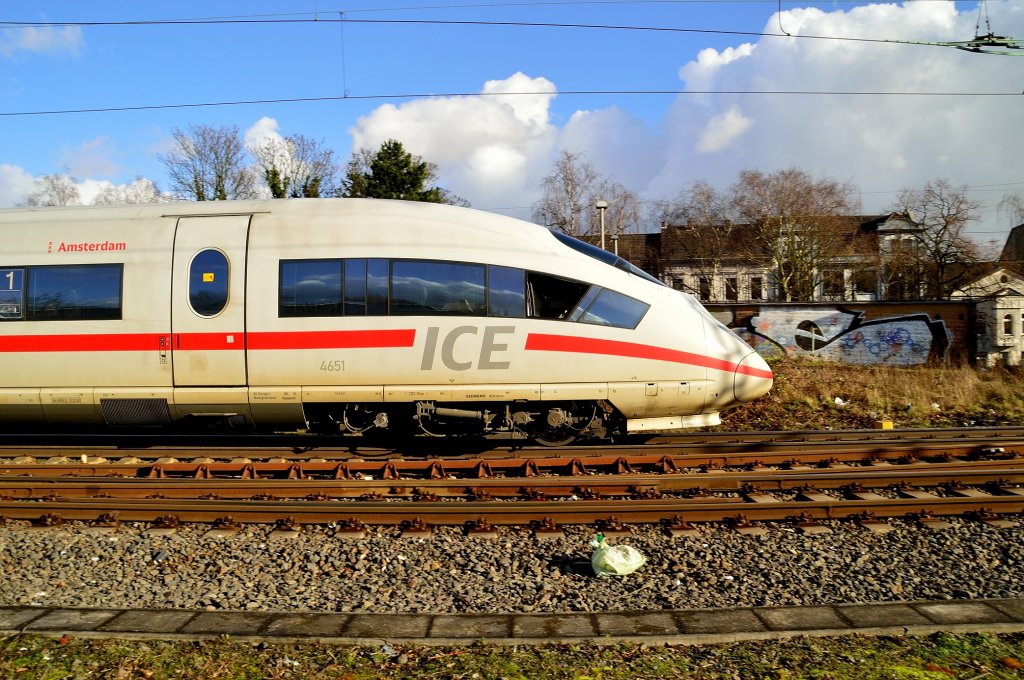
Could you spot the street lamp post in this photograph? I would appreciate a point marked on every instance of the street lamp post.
(601, 207)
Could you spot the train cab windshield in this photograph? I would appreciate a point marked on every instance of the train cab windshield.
(604, 256)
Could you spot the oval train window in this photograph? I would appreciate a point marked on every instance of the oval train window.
(208, 283)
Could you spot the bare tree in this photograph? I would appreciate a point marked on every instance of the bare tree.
(568, 195)
(571, 193)
(697, 228)
(139, 192)
(901, 270)
(623, 211)
(944, 252)
(54, 189)
(797, 222)
(209, 164)
(1013, 206)
(297, 167)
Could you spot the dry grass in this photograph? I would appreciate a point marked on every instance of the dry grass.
(940, 656)
(805, 396)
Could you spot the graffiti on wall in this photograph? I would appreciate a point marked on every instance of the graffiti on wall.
(838, 334)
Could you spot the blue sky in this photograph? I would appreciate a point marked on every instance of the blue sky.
(952, 115)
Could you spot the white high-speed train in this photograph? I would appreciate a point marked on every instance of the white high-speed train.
(347, 314)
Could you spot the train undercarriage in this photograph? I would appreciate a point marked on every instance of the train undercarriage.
(555, 423)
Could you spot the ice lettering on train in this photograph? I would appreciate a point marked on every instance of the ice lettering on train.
(490, 344)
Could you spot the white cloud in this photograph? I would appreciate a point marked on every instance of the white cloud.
(40, 40)
(880, 143)
(261, 131)
(489, 150)
(723, 130)
(15, 185)
(91, 157)
(700, 73)
(617, 144)
(495, 150)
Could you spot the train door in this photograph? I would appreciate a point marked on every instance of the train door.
(208, 301)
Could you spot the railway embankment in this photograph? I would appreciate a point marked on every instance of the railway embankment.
(819, 395)
(451, 572)
(320, 571)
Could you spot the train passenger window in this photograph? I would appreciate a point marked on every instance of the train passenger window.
(506, 292)
(355, 287)
(310, 288)
(12, 294)
(74, 292)
(208, 282)
(419, 287)
(552, 297)
(377, 287)
(615, 309)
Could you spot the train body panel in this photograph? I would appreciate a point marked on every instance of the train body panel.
(279, 312)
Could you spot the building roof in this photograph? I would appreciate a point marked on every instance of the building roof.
(1013, 251)
(731, 241)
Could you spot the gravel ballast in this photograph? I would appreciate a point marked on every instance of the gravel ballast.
(450, 572)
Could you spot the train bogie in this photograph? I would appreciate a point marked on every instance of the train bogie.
(353, 315)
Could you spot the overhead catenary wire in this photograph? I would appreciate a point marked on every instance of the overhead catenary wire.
(974, 46)
(422, 95)
(479, 22)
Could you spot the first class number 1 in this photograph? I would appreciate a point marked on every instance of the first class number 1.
(336, 366)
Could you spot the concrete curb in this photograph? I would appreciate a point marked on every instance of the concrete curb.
(668, 627)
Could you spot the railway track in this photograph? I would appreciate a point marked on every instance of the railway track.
(150, 446)
(667, 481)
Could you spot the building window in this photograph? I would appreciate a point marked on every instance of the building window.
(704, 287)
(865, 281)
(732, 293)
(1008, 324)
(832, 284)
(756, 288)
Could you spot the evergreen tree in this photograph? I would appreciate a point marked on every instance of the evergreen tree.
(393, 172)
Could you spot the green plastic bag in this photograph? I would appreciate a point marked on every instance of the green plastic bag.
(614, 560)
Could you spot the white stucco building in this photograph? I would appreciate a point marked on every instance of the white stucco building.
(1000, 316)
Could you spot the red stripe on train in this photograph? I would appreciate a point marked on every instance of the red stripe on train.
(404, 337)
(569, 343)
(98, 342)
(147, 342)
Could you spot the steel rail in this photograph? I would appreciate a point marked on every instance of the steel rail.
(638, 484)
(638, 457)
(502, 513)
(152, 447)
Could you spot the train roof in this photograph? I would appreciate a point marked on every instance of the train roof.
(291, 206)
(429, 227)
(372, 213)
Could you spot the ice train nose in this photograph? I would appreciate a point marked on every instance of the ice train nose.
(753, 378)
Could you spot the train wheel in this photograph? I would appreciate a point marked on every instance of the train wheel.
(555, 437)
(563, 424)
